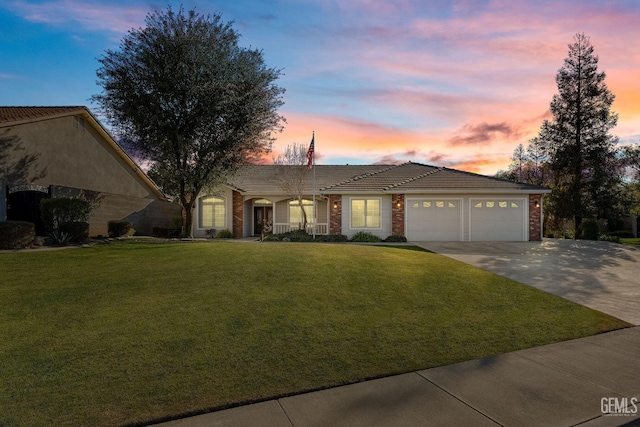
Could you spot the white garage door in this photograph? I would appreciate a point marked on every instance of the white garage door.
(434, 219)
(497, 220)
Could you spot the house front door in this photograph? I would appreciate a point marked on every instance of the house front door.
(262, 219)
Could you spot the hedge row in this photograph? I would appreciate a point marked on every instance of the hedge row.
(302, 236)
(17, 234)
(58, 211)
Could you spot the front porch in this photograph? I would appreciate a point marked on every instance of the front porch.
(278, 214)
(318, 228)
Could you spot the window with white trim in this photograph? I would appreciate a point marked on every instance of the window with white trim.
(212, 212)
(295, 212)
(365, 213)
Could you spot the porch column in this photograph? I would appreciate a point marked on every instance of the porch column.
(397, 214)
(238, 215)
(535, 217)
(335, 214)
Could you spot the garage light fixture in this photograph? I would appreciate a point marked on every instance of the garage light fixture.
(398, 204)
(537, 204)
(335, 205)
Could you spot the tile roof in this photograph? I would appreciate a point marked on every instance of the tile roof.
(19, 114)
(405, 178)
(263, 179)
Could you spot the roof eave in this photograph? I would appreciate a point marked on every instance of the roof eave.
(444, 191)
(86, 114)
(79, 110)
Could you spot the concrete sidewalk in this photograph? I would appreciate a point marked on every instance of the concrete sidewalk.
(565, 384)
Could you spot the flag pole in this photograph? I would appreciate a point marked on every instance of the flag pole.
(313, 162)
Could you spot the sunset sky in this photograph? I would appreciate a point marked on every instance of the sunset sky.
(446, 83)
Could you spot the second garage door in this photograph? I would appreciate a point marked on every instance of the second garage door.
(497, 220)
(434, 219)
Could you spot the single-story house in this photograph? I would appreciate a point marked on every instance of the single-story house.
(420, 202)
(66, 152)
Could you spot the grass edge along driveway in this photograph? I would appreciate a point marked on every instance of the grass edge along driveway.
(134, 332)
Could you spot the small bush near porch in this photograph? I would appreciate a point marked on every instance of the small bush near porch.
(130, 332)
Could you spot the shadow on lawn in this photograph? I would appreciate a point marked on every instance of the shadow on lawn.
(600, 275)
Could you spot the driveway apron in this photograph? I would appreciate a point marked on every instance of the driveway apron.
(601, 275)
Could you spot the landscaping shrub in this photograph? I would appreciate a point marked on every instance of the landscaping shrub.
(364, 236)
(271, 238)
(224, 234)
(332, 238)
(16, 234)
(57, 211)
(120, 228)
(165, 232)
(295, 236)
(78, 231)
(589, 230)
(60, 238)
(302, 236)
(621, 233)
(609, 238)
(395, 239)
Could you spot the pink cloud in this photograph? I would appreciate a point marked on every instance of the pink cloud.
(90, 16)
(389, 160)
(484, 133)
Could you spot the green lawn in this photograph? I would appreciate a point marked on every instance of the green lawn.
(632, 241)
(132, 332)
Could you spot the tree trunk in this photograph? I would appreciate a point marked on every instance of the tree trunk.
(304, 214)
(577, 223)
(188, 219)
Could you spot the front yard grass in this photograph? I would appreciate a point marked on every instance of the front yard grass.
(631, 241)
(134, 332)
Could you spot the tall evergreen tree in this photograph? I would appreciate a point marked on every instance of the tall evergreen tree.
(582, 156)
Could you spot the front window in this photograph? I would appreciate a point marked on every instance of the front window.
(365, 213)
(295, 212)
(212, 213)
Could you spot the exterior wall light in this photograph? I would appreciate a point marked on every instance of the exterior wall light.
(335, 206)
(537, 204)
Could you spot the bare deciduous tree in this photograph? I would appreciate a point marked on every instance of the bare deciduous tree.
(293, 175)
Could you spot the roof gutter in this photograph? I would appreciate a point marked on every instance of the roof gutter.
(445, 191)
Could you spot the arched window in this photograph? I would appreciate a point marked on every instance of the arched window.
(212, 212)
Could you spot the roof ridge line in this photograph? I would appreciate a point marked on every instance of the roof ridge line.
(365, 175)
(408, 180)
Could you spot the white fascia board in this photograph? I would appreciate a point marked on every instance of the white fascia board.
(446, 191)
(473, 191)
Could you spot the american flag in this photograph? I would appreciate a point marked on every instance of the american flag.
(310, 152)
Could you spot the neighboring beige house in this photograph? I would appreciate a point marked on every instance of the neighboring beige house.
(65, 151)
(417, 201)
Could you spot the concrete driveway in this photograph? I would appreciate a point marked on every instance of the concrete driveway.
(600, 275)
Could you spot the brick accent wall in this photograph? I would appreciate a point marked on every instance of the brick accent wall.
(335, 214)
(238, 215)
(535, 217)
(397, 214)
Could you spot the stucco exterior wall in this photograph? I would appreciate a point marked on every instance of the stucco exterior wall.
(144, 214)
(70, 152)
